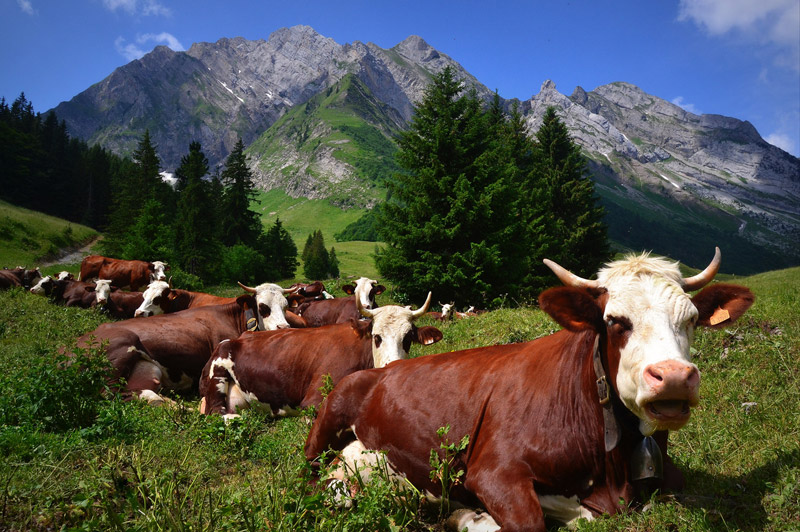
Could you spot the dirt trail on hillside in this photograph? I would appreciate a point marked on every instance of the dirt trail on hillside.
(70, 255)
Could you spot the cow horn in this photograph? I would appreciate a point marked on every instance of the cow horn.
(247, 288)
(703, 278)
(423, 309)
(291, 290)
(569, 278)
(170, 282)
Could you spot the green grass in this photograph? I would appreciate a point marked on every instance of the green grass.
(302, 216)
(140, 468)
(27, 237)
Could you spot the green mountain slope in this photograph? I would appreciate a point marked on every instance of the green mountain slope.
(338, 145)
(28, 237)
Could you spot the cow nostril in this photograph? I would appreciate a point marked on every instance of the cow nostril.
(653, 374)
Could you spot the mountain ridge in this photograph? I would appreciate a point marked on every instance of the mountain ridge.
(650, 158)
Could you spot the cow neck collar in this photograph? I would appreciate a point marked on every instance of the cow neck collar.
(613, 422)
(250, 319)
(611, 429)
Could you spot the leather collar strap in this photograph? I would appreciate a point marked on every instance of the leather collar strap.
(612, 432)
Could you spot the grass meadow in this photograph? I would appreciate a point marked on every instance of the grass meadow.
(75, 459)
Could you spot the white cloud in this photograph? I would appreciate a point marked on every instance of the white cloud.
(686, 106)
(131, 51)
(782, 141)
(140, 7)
(26, 7)
(163, 37)
(128, 50)
(775, 22)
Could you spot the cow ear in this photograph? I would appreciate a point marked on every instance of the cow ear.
(349, 289)
(721, 304)
(361, 328)
(246, 299)
(295, 300)
(379, 289)
(573, 308)
(428, 335)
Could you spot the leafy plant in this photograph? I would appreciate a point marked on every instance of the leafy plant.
(443, 465)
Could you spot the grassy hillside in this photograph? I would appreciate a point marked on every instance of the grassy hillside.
(346, 123)
(302, 216)
(29, 237)
(130, 467)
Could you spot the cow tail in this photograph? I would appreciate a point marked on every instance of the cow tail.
(216, 381)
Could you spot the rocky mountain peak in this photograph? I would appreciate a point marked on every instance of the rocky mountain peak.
(414, 47)
(548, 85)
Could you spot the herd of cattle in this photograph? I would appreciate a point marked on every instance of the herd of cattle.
(567, 425)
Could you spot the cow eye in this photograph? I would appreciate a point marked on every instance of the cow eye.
(263, 310)
(618, 325)
(378, 340)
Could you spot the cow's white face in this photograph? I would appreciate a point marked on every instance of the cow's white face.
(362, 291)
(63, 276)
(152, 298)
(393, 332)
(102, 289)
(271, 307)
(447, 309)
(40, 288)
(651, 320)
(159, 271)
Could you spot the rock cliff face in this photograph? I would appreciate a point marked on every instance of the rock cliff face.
(658, 169)
(215, 92)
(708, 161)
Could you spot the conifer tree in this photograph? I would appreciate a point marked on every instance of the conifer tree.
(195, 244)
(239, 224)
(333, 263)
(281, 252)
(446, 225)
(574, 217)
(316, 259)
(132, 188)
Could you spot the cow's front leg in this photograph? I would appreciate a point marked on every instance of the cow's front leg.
(507, 493)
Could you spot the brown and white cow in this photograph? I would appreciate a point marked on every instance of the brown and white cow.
(73, 293)
(19, 276)
(168, 351)
(161, 298)
(121, 304)
(446, 313)
(557, 426)
(131, 274)
(284, 370)
(342, 309)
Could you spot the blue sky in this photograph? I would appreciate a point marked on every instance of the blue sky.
(738, 58)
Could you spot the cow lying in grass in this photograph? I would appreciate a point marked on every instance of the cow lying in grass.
(558, 426)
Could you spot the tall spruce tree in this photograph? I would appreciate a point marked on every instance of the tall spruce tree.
(281, 252)
(195, 244)
(574, 217)
(132, 188)
(240, 224)
(446, 224)
(317, 260)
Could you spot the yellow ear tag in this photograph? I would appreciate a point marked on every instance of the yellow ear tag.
(719, 316)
